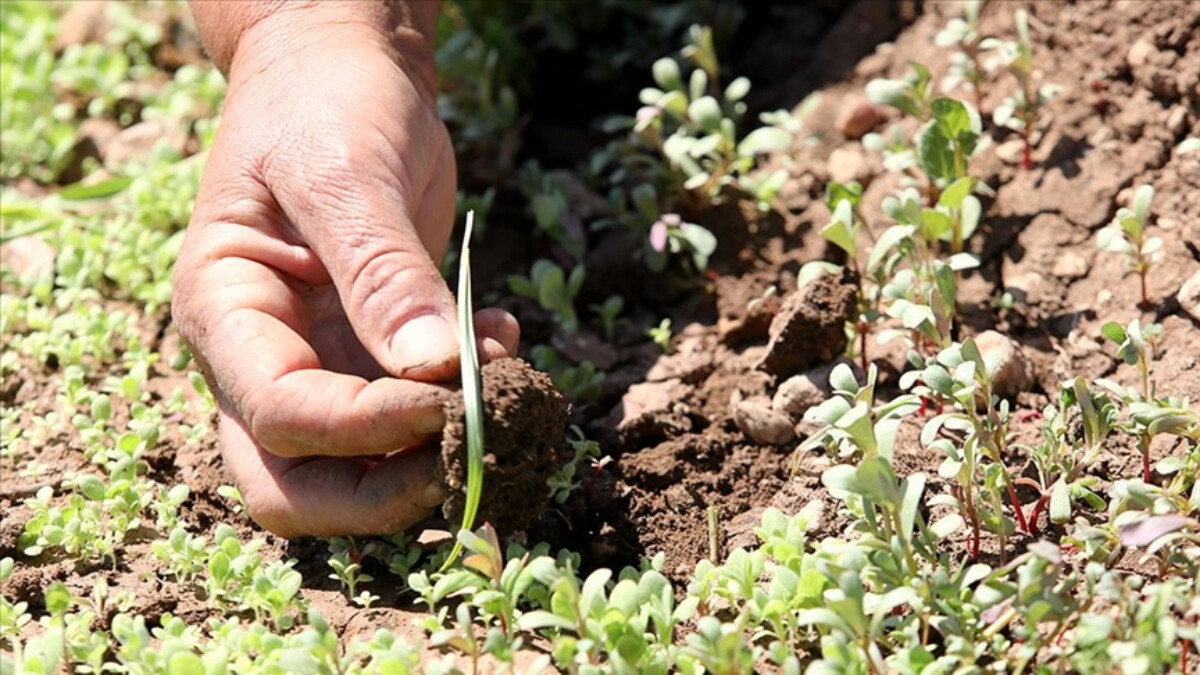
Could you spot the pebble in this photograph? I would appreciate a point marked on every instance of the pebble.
(1011, 151)
(763, 425)
(1189, 296)
(858, 117)
(846, 164)
(1177, 120)
(1012, 371)
(139, 140)
(1139, 54)
(808, 389)
(1070, 265)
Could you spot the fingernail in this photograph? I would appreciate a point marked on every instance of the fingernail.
(423, 344)
(433, 495)
(430, 424)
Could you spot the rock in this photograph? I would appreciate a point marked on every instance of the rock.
(83, 22)
(810, 327)
(691, 361)
(859, 117)
(1011, 151)
(763, 425)
(1177, 120)
(1189, 296)
(137, 142)
(1011, 370)
(28, 257)
(1070, 265)
(846, 164)
(652, 412)
(1139, 54)
(808, 389)
(1026, 288)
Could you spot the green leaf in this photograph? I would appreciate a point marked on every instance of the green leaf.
(106, 188)
(667, 75)
(1113, 331)
(840, 230)
(956, 192)
(1060, 502)
(706, 113)
(878, 481)
(934, 152)
(472, 390)
(814, 269)
(737, 90)
(914, 487)
(1141, 202)
(764, 140)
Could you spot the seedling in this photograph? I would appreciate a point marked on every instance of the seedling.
(580, 383)
(670, 235)
(1127, 234)
(661, 335)
(1020, 111)
(964, 34)
(552, 289)
(854, 426)
(609, 313)
(472, 388)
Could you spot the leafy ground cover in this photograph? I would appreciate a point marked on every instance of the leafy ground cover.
(879, 361)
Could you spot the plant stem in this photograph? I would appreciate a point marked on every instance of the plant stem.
(1145, 297)
(714, 536)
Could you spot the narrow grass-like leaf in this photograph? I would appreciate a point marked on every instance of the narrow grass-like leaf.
(471, 391)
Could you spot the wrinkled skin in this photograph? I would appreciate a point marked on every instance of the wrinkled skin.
(307, 287)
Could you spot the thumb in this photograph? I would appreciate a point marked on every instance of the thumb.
(378, 240)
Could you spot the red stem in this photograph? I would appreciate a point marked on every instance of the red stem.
(1145, 297)
(1016, 504)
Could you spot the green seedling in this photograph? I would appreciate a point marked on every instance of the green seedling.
(1020, 111)
(472, 388)
(669, 235)
(585, 453)
(1127, 234)
(697, 131)
(1134, 347)
(661, 335)
(345, 559)
(1062, 459)
(963, 33)
(554, 290)
(959, 377)
(580, 383)
(609, 313)
(854, 427)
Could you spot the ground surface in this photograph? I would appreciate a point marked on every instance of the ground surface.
(670, 421)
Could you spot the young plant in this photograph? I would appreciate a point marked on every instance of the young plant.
(964, 34)
(580, 382)
(609, 313)
(854, 427)
(669, 235)
(661, 335)
(1020, 111)
(697, 132)
(554, 290)
(472, 387)
(1127, 234)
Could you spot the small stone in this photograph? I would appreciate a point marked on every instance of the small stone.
(1070, 265)
(859, 117)
(649, 398)
(137, 142)
(1101, 136)
(1167, 223)
(1104, 297)
(28, 257)
(1139, 54)
(1177, 120)
(763, 425)
(1189, 296)
(1011, 151)
(846, 164)
(1012, 372)
(1026, 288)
(811, 388)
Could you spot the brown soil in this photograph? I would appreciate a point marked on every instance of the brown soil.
(666, 419)
(524, 423)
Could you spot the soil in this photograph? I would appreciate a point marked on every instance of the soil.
(1130, 77)
(524, 424)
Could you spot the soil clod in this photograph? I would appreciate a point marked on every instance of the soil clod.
(810, 327)
(524, 422)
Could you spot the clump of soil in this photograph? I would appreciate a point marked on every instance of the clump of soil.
(524, 422)
(810, 327)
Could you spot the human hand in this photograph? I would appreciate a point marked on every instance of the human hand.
(307, 286)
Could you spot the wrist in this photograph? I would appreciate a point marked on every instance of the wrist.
(244, 38)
